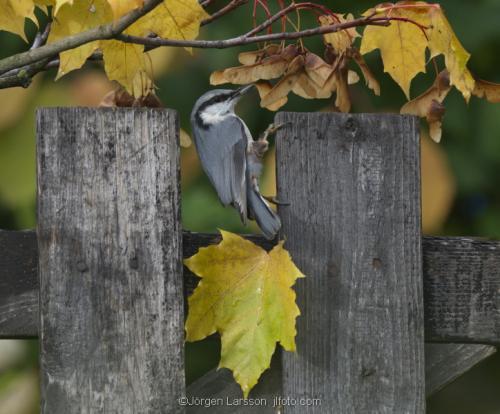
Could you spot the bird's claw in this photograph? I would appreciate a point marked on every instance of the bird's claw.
(274, 200)
(272, 129)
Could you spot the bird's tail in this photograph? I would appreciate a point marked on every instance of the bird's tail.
(261, 212)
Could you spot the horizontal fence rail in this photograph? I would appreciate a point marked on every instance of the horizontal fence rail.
(443, 362)
(461, 285)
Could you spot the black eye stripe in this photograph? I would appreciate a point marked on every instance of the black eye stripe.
(214, 100)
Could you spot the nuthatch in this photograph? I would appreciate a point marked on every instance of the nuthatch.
(231, 158)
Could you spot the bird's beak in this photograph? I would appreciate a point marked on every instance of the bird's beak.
(243, 90)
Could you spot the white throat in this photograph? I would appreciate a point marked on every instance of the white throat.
(216, 113)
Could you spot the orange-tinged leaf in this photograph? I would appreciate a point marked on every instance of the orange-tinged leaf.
(264, 87)
(269, 68)
(342, 40)
(217, 78)
(280, 90)
(429, 105)
(402, 44)
(488, 90)
(246, 295)
(317, 69)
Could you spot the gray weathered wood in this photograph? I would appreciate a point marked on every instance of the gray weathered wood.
(443, 364)
(353, 227)
(446, 362)
(462, 293)
(446, 262)
(225, 393)
(18, 284)
(109, 238)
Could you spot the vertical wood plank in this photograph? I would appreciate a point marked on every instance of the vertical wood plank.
(109, 236)
(18, 285)
(353, 227)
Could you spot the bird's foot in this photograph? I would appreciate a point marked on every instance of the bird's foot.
(274, 200)
(270, 130)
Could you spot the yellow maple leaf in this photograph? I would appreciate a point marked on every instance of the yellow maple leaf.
(343, 39)
(442, 40)
(122, 7)
(246, 295)
(13, 15)
(125, 63)
(172, 19)
(73, 19)
(402, 44)
(60, 3)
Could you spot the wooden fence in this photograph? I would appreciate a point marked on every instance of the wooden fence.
(101, 282)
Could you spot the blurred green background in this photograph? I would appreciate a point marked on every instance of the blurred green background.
(461, 191)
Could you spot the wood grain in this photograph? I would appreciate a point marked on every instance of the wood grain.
(18, 284)
(443, 364)
(444, 260)
(462, 289)
(109, 239)
(353, 227)
(446, 362)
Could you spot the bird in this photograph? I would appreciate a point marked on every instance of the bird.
(231, 158)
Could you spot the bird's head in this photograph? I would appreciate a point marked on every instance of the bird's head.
(213, 106)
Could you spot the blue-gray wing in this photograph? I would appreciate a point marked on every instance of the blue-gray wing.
(222, 151)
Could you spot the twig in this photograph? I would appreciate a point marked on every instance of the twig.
(264, 25)
(234, 4)
(107, 31)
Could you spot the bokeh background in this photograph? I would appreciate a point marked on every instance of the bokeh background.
(460, 177)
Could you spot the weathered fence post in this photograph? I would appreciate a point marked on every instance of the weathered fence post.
(353, 227)
(109, 237)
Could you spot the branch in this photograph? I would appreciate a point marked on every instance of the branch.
(108, 31)
(21, 75)
(247, 39)
(22, 67)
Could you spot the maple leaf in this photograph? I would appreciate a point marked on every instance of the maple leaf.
(429, 104)
(60, 3)
(122, 7)
(172, 19)
(76, 18)
(13, 15)
(442, 40)
(342, 40)
(125, 63)
(246, 295)
(402, 44)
